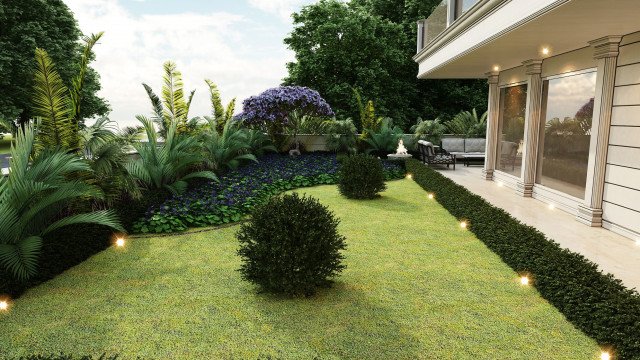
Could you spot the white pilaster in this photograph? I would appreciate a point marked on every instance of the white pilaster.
(606, 54)
(493, 116)
(531, 127)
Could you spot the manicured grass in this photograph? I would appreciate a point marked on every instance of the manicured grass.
(5, 144)
(416, 286)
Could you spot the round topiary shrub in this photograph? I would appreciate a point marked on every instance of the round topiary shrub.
(361, 177)
(291, 245)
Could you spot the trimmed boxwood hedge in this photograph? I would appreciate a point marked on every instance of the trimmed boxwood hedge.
(596, 303)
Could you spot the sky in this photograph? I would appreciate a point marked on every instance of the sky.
(236, 43)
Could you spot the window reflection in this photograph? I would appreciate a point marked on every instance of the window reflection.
(566, 133)
(513, 104)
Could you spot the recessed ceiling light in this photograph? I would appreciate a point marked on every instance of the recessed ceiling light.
(545, 51)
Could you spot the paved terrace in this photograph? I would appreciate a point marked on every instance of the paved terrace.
(614, 254)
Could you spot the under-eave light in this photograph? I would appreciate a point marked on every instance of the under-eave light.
(496, 68)
(545, 51)
(552, 206)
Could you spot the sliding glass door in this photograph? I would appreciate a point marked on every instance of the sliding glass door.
(565, 132)
(513, 104)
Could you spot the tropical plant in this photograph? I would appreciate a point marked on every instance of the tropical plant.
(167, 166)
(467, 123)
(368, 119)
(283, 107)
(341, 136)
(220, 114)
(57, 107)
(104, 149)
(385, 140)
(33, 198)
(173, 107)
(431, 130)
(259, 142)
(291, 245)
(228, 149)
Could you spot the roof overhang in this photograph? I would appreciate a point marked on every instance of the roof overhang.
(504, 33)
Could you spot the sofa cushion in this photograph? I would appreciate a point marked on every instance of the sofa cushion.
(453, 144)
(475, 145)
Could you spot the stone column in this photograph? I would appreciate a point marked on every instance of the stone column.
(606, 54)
(531, 127)
(493, 116)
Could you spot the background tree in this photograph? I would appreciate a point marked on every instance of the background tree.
(369, 45)
(26, 25)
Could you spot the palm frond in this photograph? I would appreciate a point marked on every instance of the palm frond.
(78, 81)
(51, 103)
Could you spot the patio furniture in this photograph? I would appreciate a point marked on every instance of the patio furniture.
(468, 158)
(461, 147)
(429, 156)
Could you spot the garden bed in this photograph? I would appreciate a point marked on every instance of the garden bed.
(238, 191)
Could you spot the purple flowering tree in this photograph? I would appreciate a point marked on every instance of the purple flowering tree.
(284, 107)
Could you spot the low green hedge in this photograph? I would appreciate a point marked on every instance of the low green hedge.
(68, 357)
(596, 303)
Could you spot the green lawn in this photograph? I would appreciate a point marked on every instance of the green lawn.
(5, 144)
(416, 286)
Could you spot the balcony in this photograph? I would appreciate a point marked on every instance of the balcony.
(466, 39)
(443, 15)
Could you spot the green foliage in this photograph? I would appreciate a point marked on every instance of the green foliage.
(595, 303)
(385, 140)
(103, 147)
(33, 196)
(173, 107)
(53, 106)
(169, 165)
(430, 130)
(57, 107)
(291, 245)
(469, 124)
(369, 45)
(49, 25)
(259, 142)
(361, 177)
(221, 115)
(228, 149)
(341, 136)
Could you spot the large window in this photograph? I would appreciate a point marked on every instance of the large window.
(513, 104)
(565, 132)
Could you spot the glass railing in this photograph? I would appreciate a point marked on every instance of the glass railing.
(435, 24)
(440, 19)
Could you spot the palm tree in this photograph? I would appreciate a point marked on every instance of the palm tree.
(469, 124)
(32, 198)
(228, 149)
(385, 140)
(431, 130)
(168, 165)
(103, 147)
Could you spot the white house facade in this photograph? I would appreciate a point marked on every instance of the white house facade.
(564, 97)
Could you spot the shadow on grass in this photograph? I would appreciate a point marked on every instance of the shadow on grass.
(340, 321)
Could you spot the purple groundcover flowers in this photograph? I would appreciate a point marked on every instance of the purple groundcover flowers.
(238, 191)
(277, 105)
